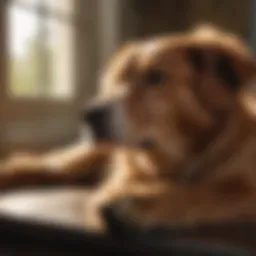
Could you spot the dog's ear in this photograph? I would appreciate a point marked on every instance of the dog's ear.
(119, 68)
(219, 65)
(219, 54)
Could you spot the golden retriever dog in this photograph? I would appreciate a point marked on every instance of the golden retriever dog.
(174, 135)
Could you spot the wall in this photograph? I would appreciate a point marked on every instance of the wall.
(156, 17)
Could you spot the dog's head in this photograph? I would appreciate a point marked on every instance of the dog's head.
(174, 94)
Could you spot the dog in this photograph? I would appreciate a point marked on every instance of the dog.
(174, 135)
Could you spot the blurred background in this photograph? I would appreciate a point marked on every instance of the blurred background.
(51, 52)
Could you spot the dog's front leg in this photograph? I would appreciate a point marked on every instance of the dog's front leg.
(67, 166)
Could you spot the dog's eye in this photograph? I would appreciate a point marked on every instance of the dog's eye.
(154, 77)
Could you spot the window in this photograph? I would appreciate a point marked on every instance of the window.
(41, 34)
(39, 92)
(52, 50)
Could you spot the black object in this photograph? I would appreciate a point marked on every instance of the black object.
(27, 237)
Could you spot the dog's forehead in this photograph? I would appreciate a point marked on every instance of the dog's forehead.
(151, 47)
(165, 45)
(154, 50)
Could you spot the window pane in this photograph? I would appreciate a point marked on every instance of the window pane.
(23, 64)
(30, 2)
(41, 55)
(63, 6)
(60, 44)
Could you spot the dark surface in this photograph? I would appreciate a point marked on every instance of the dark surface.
(28, 238)
(46, 222)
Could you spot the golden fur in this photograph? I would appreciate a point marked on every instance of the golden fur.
(201, 165)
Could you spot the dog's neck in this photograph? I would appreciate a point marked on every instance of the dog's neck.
(234, 150)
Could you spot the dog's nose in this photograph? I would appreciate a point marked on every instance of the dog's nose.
(95, 114)
(100, 119)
